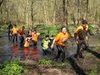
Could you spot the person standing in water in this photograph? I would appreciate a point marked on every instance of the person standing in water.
(60, 40)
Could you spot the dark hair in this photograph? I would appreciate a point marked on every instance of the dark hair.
(15, 25)
(52, 35)
(27, 35)
(23, 26)
(47, 36)
(63, 27)
(84, 22)
(34, 29)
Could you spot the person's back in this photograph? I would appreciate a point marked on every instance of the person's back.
(15, 33)
(21, 31)
(10, 27)
(15, 29)
(35, 36)
(21, 36)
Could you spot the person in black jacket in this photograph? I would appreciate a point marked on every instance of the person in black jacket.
(9, 31)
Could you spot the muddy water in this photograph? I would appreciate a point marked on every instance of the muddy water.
(35, 53)
(94, 40)
(17, 52)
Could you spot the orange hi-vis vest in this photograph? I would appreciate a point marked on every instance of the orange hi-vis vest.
(21, 31)
(35, 36)
(27, 43)
(15, 30)
(60, 37)
(81, 27)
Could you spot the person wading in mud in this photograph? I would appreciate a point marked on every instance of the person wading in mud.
(45, 45)
(21, 36)
(9, 31)
(60, 40)
(35, 36)
(26, 46)
(81, 37)
(15, 33)
(89, 28)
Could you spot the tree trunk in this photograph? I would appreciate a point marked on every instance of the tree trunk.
(63, 7)
(54, 12)
(45, 12)
(78, 12)
(32, 16)
(1, 1)
(87, 8)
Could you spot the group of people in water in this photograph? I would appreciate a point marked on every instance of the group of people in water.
(48, 42)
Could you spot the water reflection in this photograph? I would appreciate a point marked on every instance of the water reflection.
(15, 50)
(35, 53)
(26, 51)
(30, 53)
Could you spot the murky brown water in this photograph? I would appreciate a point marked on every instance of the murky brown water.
(22, 54)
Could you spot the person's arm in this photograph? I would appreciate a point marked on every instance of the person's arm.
(75, 36)
(76, 31)
(70, 39)
(55, 39)
(52, 45)
(86, 36)
(87, 27)
(42, 43)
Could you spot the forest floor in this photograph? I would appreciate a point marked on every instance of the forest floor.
(90, 65)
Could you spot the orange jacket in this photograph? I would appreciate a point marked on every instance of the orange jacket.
(15, 30)
(60, 38)
(35, 36)
(27, 43)
(21, 31)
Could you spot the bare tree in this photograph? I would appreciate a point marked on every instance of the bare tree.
(1, 1)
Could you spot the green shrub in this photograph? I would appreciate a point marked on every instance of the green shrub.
(91, 28)
(45, 62)
(50, 30)
(3, 27)
(60, 64)
(12, 68)
(95, 70)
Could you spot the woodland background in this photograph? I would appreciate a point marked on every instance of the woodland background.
(64, 12)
